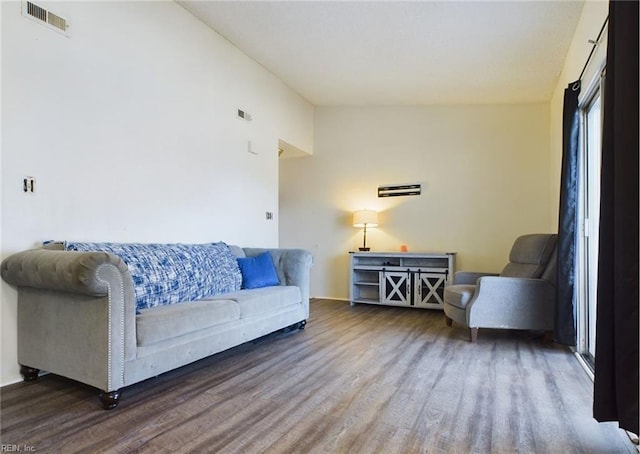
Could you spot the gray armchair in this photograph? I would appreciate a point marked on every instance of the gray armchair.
(522, 296)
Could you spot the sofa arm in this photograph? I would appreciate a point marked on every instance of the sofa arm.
(76, 314)
(67, 271)
(512, 302)
(469, 277)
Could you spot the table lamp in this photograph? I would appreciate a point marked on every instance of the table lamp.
(365, 218)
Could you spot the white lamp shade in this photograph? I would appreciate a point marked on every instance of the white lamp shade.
(365, 217)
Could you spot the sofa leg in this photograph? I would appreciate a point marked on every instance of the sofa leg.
(109, 399)
(29, 373)
(473, 334)
(295, 326)
(448, 321)
(548, 338)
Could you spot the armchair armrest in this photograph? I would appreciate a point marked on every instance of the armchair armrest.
(512, 302)
(469, 277)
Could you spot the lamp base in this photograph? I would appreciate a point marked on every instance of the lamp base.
(364, 249)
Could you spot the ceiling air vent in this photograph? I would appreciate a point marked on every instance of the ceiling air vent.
(44, 17)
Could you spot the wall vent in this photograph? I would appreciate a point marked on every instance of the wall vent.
(36, 11)
(44, 17)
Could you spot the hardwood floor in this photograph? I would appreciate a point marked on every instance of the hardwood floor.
(361, 379)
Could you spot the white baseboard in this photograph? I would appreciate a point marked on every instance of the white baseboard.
(329, 298)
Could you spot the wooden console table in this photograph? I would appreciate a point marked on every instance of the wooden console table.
(400, 279)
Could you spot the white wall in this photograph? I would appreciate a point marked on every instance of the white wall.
(590, 23)
(484, 171)
(129, 128)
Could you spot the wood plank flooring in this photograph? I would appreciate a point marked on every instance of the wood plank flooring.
(361, 379)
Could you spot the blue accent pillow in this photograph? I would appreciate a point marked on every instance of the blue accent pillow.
(258, 271)
(172, 273)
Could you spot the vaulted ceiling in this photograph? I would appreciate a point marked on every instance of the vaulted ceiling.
(402, 53)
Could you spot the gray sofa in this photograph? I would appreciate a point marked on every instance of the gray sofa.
(77, 317)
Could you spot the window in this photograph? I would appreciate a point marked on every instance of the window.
(589, 216)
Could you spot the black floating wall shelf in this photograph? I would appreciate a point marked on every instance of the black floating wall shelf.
(397, 190)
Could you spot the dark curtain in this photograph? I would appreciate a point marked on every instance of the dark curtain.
(616, 363)
(564, 325)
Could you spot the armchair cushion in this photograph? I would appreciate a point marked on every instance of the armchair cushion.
(459, 295)
(469, 277)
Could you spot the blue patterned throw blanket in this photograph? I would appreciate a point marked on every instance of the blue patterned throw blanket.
(173, 273)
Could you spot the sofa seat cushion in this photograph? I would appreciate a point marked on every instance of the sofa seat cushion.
(459, 295)
(165, 322)
(264, 300)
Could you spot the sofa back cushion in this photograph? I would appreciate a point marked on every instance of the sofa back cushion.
(173, 273)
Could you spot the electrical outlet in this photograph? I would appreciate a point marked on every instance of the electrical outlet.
(29, 185)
